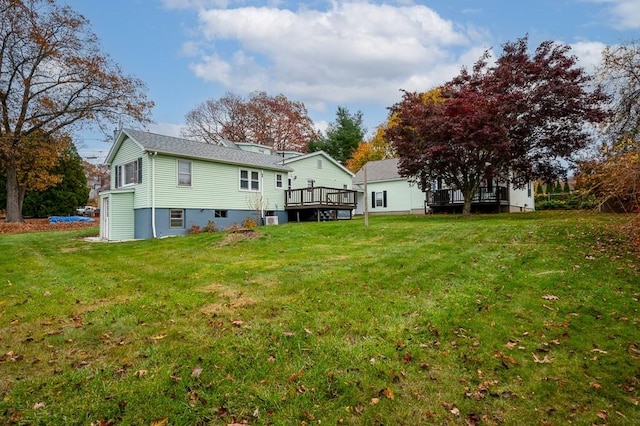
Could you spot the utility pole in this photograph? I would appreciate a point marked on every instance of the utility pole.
(366, 199)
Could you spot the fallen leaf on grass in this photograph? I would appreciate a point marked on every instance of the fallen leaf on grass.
(163, 421)
(507, 358)
(595, 385)
(158, 337)
(387, 393)
(544, 360)
(140, 373)
(196, 371)
(295, 376)
(38, 405)
(374, 401)
(550, 297)
(600, 351)
(449, 405)
(237, 323)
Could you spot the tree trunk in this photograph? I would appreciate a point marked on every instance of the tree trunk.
(468, 197)
(14, 200)
(466, 209)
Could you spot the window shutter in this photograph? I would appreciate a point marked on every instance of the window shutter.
(118, 174)
(140, 170)
(384, 198)
(373, 199)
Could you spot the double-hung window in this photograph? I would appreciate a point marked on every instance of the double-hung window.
(279, 182)
(184, 173)
(249, 180)
(176, 218)
(129, 173)
(379, 199)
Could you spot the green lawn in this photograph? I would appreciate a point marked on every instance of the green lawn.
(498, 319)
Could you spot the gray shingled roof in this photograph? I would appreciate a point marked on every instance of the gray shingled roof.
(379, 171)
(200, 150)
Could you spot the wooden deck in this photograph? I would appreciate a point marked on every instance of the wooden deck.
(451, 199)
(320, 202)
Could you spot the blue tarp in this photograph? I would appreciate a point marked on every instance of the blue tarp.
(61, 219)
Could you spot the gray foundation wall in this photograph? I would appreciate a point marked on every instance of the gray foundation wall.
(200, 217)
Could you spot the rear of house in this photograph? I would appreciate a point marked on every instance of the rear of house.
(386, 191)
(163, 186)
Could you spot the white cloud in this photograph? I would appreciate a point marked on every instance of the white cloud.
(628, 13)
(589, 54)
(351, 52)
(625, 14)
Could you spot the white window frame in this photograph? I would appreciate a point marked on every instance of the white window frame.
(279, 181)
(319, 163)
(172, 219)
(379, 199)
(181, 174)
(128, 173)
(252, 184)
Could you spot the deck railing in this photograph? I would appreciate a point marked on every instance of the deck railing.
(320, 197)
(484, 195)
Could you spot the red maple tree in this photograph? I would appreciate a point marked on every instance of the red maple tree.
(517, 120)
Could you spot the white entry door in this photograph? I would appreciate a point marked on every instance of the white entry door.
(104, 219)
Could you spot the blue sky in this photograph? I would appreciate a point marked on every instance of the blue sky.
(356, 54)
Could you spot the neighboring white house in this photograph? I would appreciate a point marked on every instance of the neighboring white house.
(387, 191)
(163, 185)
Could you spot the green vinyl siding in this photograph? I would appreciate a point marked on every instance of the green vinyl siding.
(121, 216)
(213, 186)
(329, 175)
(131, 151)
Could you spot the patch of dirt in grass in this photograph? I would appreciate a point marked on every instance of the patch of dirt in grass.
(231, 303)
(37, 225)
(239, 234)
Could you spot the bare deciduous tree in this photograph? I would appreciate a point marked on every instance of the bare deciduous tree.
(273, 121)
(54, 78)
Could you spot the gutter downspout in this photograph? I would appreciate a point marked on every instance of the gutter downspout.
(262, 196)
(153, 193)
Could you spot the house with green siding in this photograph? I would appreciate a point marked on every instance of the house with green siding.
(163, 185)
(388, 192)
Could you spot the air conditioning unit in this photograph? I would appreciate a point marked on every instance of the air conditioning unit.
(271, 220)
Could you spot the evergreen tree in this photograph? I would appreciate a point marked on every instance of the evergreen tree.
(558, 188)
(549, 188)
(539, 189)
(65, 197)
(566, 187)
(342, 137)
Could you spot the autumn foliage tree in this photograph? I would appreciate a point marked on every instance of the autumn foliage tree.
(613, 173)
(377, 148)
(63, 197)
(515, 120)
(53, 78)
(273, 121)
